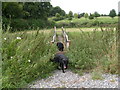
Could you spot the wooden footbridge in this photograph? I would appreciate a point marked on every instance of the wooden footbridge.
(61, 37)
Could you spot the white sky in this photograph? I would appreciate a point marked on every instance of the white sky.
(89, 6)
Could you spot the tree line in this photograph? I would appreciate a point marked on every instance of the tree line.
(41, 10)
(27, 10)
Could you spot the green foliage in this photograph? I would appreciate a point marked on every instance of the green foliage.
(12, 9)
(91, 16)
(28, 15)
(96, 14)
(119, 14)
(91, 50)
(55, 10)
(57, 15)
(86, 15)
(58, 18)
(82, 22)
(26, 10)
(97, 75)
(112, 13)
(80, 15)
(37, 9)
(25, 58)
(75, 15)
(70, 14)
(29, 24)
(70, 18)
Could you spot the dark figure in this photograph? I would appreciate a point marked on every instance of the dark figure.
(60, 46)
(62, 60)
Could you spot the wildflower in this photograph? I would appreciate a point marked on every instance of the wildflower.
(11, 57)
(71, 21)
(4, 38)
(28, 49)
(29, 61)
(18, 37)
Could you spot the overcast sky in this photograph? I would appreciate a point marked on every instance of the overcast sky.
(89, 6)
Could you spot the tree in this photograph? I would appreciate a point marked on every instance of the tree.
(91, 16)
(79, 16)
(96, 14)
(101, 15)
(57, 15)
(66, 15)
(119, 14)
(37, 9)
(112, 13)
(12, 9)
(75, 15)
(82, 14)
(86, 15)
(70, 14)
(55, 10)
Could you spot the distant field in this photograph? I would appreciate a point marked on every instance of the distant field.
(104, 19)
(67, 30)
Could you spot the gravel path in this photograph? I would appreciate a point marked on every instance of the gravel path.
(72, 80)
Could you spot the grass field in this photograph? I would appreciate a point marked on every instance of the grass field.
(26, 55)
(83, 22)
(47, 31)
(104, 19)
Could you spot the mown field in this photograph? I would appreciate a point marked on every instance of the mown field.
(33, 24)
(26, 56)
(85, 22)
(104, 19)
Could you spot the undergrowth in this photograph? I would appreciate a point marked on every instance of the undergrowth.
(91, 50)
(25, 57)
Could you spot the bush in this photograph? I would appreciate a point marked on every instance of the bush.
(62, 24)
(95, 23)
(91, 17)
(58, 18)
(70, 18)
(26, 24)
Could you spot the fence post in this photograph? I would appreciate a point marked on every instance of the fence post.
(66, 40)
(54, 36)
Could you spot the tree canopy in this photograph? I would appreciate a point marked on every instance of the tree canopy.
(26, 9)
(96, 14)
(55, 10)
(70, 14)
(86, 15)
(112, 13)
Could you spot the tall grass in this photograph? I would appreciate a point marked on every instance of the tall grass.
(25, 58)
(94, 50)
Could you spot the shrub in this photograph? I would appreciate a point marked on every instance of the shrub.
(58, 18)
(95, 23)
(27, 24)
(91, 17)
(70, 18)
